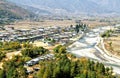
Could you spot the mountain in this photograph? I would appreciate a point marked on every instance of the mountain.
(36, 11)
(9, 12)
(8, 9)
(109, 5)
(73, 6)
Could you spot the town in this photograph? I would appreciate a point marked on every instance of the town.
(59, 39)
(47, 34)
(51, 36)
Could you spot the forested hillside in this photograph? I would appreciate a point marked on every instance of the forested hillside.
(68, 66)
(10, 12)
(63, 65)
(74, 6)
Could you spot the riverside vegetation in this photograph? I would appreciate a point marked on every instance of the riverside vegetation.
(64, 65)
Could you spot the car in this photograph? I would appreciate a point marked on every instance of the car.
(45, 57)
(41, 58)
(29, 71)
(29, 63)
(34, 62)
(48, 55)
(36, 68)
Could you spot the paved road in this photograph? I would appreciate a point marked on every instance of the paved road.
(86, 47)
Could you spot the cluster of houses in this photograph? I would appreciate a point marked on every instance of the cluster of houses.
(116, 30)
(36, 61)
(56, 33)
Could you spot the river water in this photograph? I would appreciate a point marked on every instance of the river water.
(85, 47)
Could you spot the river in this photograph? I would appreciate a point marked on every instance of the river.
(86, 47)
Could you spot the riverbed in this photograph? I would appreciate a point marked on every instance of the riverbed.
(86, 47)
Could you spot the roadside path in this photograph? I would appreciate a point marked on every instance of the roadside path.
(87, 47)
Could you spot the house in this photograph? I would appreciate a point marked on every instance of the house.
(36, 68)
(29, 71)
(29, 63)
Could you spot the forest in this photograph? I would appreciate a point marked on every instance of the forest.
(67, 65)
(64, 65)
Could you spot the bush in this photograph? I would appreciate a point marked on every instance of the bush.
(11, 46)
(34, 51)
(2, 55)
(65, 68)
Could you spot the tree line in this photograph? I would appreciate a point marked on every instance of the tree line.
(64, 65)
(67, 66)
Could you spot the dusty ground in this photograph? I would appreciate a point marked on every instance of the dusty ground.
(1, 65)
(45, 23)
(9, 55)
(115, 47)
(39, 43)
(36, 43)
(95, 23)
(45, 45)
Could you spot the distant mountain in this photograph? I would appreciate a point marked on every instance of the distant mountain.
(8, 9)
(73, 6)
(36, 10)
(9, 12)
(109, 5)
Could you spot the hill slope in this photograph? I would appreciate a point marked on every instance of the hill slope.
(74, 6)
(5, 5)
(60, 6)
(9, 12)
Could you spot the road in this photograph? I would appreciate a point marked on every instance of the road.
(86, 47)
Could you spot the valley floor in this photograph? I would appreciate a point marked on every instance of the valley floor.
(86, 47)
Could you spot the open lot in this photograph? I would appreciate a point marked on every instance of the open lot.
(46, 23)
(115, 46)
(45, 45)
(95, 23)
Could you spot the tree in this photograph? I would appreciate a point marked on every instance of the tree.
(47, 73)
(2, 55)
(27, 45)
(2, 73)
(11, 45)
(60, 49)
(11, 73)
(21, 71)
(56, 72)
(40, 73)
(26, 58)
(93, 75)
(14, 68)
(33, 52)
(65, 68)
(56, 49)
(77, 28)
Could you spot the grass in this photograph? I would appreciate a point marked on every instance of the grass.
(45, 23)
(115, 46)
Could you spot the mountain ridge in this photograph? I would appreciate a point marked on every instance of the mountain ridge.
(14, 9)
(73, 6)
(9, 12)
